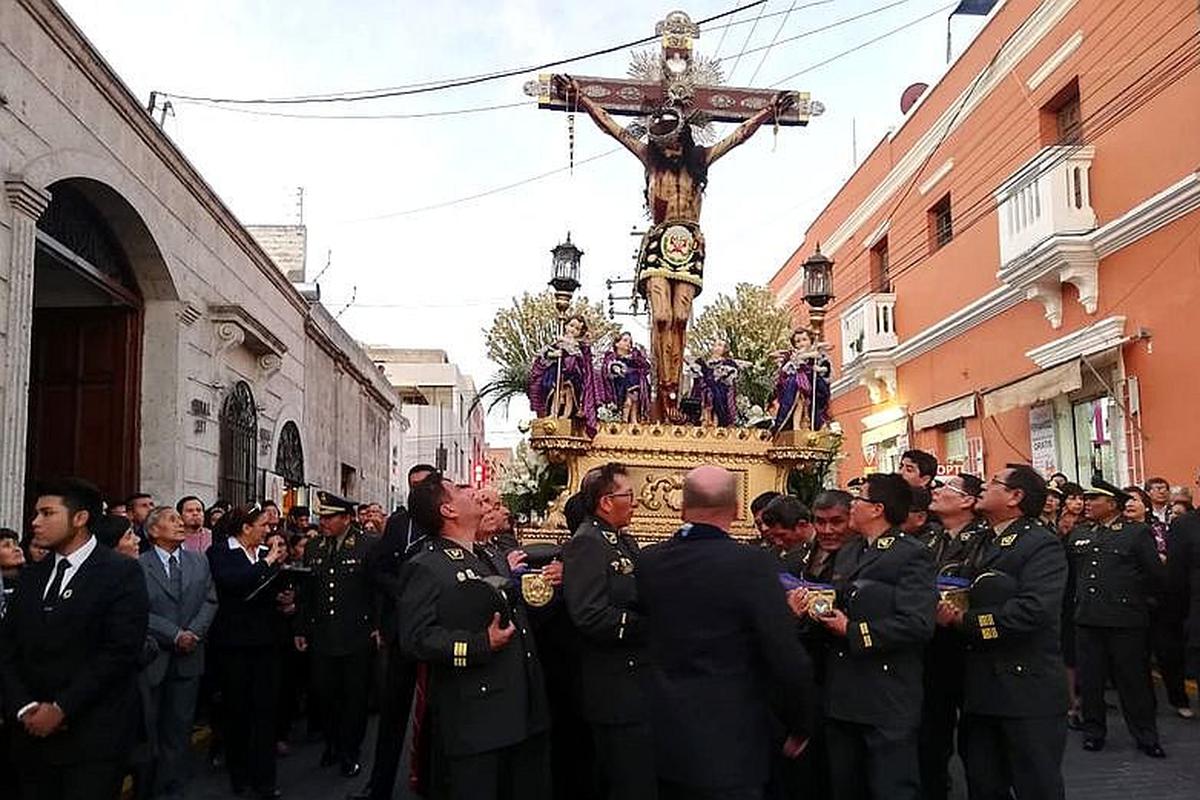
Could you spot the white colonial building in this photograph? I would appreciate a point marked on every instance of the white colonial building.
(147, 340)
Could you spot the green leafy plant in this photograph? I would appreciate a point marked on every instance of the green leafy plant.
(521, 331)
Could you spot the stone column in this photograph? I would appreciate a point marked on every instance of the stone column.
(27, 203)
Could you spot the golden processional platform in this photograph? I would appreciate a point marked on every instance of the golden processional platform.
(659, 455)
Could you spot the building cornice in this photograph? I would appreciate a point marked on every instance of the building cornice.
(1165, 207)
(1023, 40)
(75, 45)
(1095, 338)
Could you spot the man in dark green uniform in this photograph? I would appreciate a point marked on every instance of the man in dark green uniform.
(336, 626)
(486, 701)
(788, 525)
(1015, 688)
(955, 543)
(1117, 571)
(883, 619)
(600, 590)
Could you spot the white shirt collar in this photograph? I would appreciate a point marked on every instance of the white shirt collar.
(234, 544)
(76, 560)
(165, 557)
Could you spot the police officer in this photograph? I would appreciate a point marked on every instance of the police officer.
(882, 622)
(955, 543)
(1117, 570)
(486, 702)
(600, 590)
(336, 625)
(787, 524)
(1015, 688)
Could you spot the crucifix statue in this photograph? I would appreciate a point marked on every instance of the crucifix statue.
(675, 96)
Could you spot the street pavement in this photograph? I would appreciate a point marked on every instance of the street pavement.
(1119, 772)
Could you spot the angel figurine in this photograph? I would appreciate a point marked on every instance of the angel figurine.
(714, 385)
(562, 381)
(802, 386)
(624, 379)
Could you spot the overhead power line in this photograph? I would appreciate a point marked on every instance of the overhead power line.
(264, 112)
(470, 80)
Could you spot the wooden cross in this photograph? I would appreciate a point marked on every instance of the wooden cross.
(676, 83)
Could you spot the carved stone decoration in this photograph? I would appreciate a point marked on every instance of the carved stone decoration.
(880, 380)
(229, 336)
(269, 364)
(1049, 294)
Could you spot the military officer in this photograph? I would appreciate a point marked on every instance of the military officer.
(486, 701)
(883, 619)
(788, 525)
(337, 627)
(757, 506)
(600, 590)
(1015, 687)
(1117, 571)
(955, 544)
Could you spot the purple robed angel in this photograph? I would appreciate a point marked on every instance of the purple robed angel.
(801, 374)
(624, 380)
(574, 394)
(714, 385)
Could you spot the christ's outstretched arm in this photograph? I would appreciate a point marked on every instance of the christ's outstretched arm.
(783, 101)
(602, 118)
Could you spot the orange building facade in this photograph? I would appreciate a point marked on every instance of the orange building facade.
(1017, 265)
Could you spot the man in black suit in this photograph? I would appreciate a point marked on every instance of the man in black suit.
(401, 539)
(1183, 582)
(883, 619)
(485, 696)
(722, 646)
(1014, 725)
(599, 585)
(68, 654)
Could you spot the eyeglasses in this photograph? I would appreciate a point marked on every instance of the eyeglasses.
(953, 488)
(628, 494)
(1008, 486)
(865, 499)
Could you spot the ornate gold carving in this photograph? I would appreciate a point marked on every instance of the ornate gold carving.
(662, 490)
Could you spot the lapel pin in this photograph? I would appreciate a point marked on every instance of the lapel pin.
(66, 595)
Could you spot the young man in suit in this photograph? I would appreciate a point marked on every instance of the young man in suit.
(183, 602)
(69, 648)
(723, 646)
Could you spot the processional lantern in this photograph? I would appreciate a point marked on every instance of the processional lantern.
(564, 275)
(818, 288)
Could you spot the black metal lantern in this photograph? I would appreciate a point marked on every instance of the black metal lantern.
(818, 280)
(565, 275)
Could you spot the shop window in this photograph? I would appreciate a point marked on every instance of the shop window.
(1095, 451)
(1060, 121)
(941, 225)
(954, 442)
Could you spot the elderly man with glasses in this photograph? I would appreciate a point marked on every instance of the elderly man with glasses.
(1015, 686)
(600, 590)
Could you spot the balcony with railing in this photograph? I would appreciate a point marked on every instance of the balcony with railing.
(868, 326)
(1048, 196)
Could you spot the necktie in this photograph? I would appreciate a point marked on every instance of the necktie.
(174, 576)
(55, 589)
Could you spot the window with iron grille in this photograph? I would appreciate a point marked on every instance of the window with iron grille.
(941, 226)
(239, 446)
(289, 457)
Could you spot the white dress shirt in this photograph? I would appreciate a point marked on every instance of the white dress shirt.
(77, 558)
(234, 544)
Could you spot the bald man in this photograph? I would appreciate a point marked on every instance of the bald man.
(720, 636)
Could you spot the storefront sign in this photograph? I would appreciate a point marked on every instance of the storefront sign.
(1043, 446)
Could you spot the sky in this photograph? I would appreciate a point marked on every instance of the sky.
(406, 275)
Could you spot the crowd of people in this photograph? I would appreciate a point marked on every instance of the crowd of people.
(850, 651)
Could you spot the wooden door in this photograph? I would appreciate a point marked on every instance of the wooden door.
(84, 397)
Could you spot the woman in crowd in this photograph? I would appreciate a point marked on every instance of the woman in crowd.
(245, 638)
(115, 532)
(1166, 619)
(293, 665)
(1070, 514)
(214, 513)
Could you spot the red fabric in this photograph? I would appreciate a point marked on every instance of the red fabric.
(418, 776)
